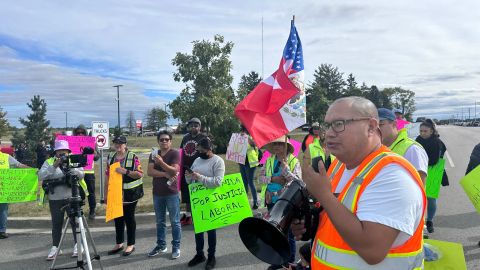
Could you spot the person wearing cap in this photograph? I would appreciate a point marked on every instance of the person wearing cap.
(7, 162)
(314, 132)
(89, 176)
(188, 147)
(399, 142)
(58, 191)
(281, 168)
(132, 177)
(208, 169)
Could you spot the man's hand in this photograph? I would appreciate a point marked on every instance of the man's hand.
(318, 184)
(157, 159)
(298, 228)
(57, 163)
(121, 170)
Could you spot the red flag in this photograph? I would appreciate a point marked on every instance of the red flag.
(276, 105)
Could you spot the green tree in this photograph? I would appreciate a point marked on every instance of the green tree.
(36, 127)
(386, 98)
(156, 118)
(247, 84)
(404, 100)
(130, 122)
(208, 94)
(374, 96)
(331, 80)
(4, 126)
(352, 88)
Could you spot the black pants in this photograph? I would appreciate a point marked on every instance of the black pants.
(212, 242)
(90, 181)
(58, 215)
(128, 219)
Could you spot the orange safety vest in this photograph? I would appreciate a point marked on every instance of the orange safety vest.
(330, 251)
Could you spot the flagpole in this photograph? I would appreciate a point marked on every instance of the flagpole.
(293, 20)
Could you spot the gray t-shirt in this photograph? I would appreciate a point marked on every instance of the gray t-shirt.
(211, 171)
(59, 192)
(13, 163)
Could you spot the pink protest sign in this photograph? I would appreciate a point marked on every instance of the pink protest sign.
(401, 123)
(77, 143)
(296, 146)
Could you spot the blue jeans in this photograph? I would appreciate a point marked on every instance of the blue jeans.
(247, 175)
(161, 204)
(3, 217)
(431, 208)
(212, 242)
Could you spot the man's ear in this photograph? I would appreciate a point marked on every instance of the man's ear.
(373, 126)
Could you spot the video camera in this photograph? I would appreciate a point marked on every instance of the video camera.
(78, 160)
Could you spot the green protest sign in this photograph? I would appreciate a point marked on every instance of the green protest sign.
(471, 185)
(18, 185)
(219, 207)
(434, 179)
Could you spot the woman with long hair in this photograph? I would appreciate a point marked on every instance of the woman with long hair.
(435, 148)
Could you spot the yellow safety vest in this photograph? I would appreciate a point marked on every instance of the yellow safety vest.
(402, 143)
(292, 162)
(252, 156)
(316, 150)
(4, 164)
(43, 197)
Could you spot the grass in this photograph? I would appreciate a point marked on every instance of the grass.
(137, 145)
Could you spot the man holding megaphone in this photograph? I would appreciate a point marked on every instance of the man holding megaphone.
(377, 220)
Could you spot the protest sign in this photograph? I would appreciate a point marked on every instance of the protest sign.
(451, 256)
(18, 185)
(413, 130)
(114, 195)
(297, 146)
(471, 185)
(77, 143)
(434, 179)
(237, 148)
(221, 206)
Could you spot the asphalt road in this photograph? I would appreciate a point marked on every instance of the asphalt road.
(456, 221)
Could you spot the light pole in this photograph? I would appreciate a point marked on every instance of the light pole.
(118, 106)
(66, 120)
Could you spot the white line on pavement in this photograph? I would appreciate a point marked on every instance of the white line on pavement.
(449, 159)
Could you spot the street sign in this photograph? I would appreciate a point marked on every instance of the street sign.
(101, 133)
(139, 124)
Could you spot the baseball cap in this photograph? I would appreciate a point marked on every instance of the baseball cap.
(120, 140)
(397, 111)
(386, 114)
(316, 124)
(194, 120)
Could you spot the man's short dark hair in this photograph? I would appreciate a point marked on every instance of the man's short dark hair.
(164, 132)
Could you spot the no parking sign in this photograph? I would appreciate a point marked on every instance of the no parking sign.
(101, 133)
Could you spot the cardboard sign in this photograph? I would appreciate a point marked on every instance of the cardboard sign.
(297, 146)
(219, 207)
(77, 143)
(237, 148)
(18, 185)
(115, 194)
(471, 185)
(413, 130)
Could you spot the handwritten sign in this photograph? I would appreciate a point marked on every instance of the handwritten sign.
(18, 185)
(434, 179)
(237, 148)
(297, 146)
(77, 143)
(471, 185)
(219, 207)
(114, 195)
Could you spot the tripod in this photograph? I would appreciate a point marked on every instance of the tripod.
(80, 231)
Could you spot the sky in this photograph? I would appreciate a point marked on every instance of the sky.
(72, 53)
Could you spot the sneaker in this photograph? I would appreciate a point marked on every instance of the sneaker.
(75, 251)
(255, 206)
(210, 263)
(175, 253)
(188, 221)
(53, 252)
(91, 216)
(430, 226)
(196, 260)
(157, 250)
(3, 235)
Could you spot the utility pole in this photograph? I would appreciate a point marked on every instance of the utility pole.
(118, 106)
(66, 121)
(475, 115)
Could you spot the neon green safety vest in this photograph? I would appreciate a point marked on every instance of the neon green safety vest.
(4, 164)
(316, 149)
(292, 162)
(402, 143)
(42, 197)
(252, 156)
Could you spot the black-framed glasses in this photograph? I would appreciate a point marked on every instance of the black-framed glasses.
(339, 125)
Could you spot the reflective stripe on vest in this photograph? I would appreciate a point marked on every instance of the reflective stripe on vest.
(128, 163)
(403, 142)
(133, 184)
(252, 156)
(292, 162)
(4, 163)
(330, 251)
(316, 150)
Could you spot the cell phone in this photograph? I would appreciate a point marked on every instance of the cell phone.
(154, 152)
(187, 169)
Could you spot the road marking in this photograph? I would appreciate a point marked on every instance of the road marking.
(449, 159)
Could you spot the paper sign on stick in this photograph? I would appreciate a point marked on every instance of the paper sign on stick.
(18, 185)
(114, 195)
(219, 207)
(77, 143)
(237, 148)
(471, 185)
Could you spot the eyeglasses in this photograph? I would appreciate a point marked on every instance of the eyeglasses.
(164, 140)
(339, 125)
